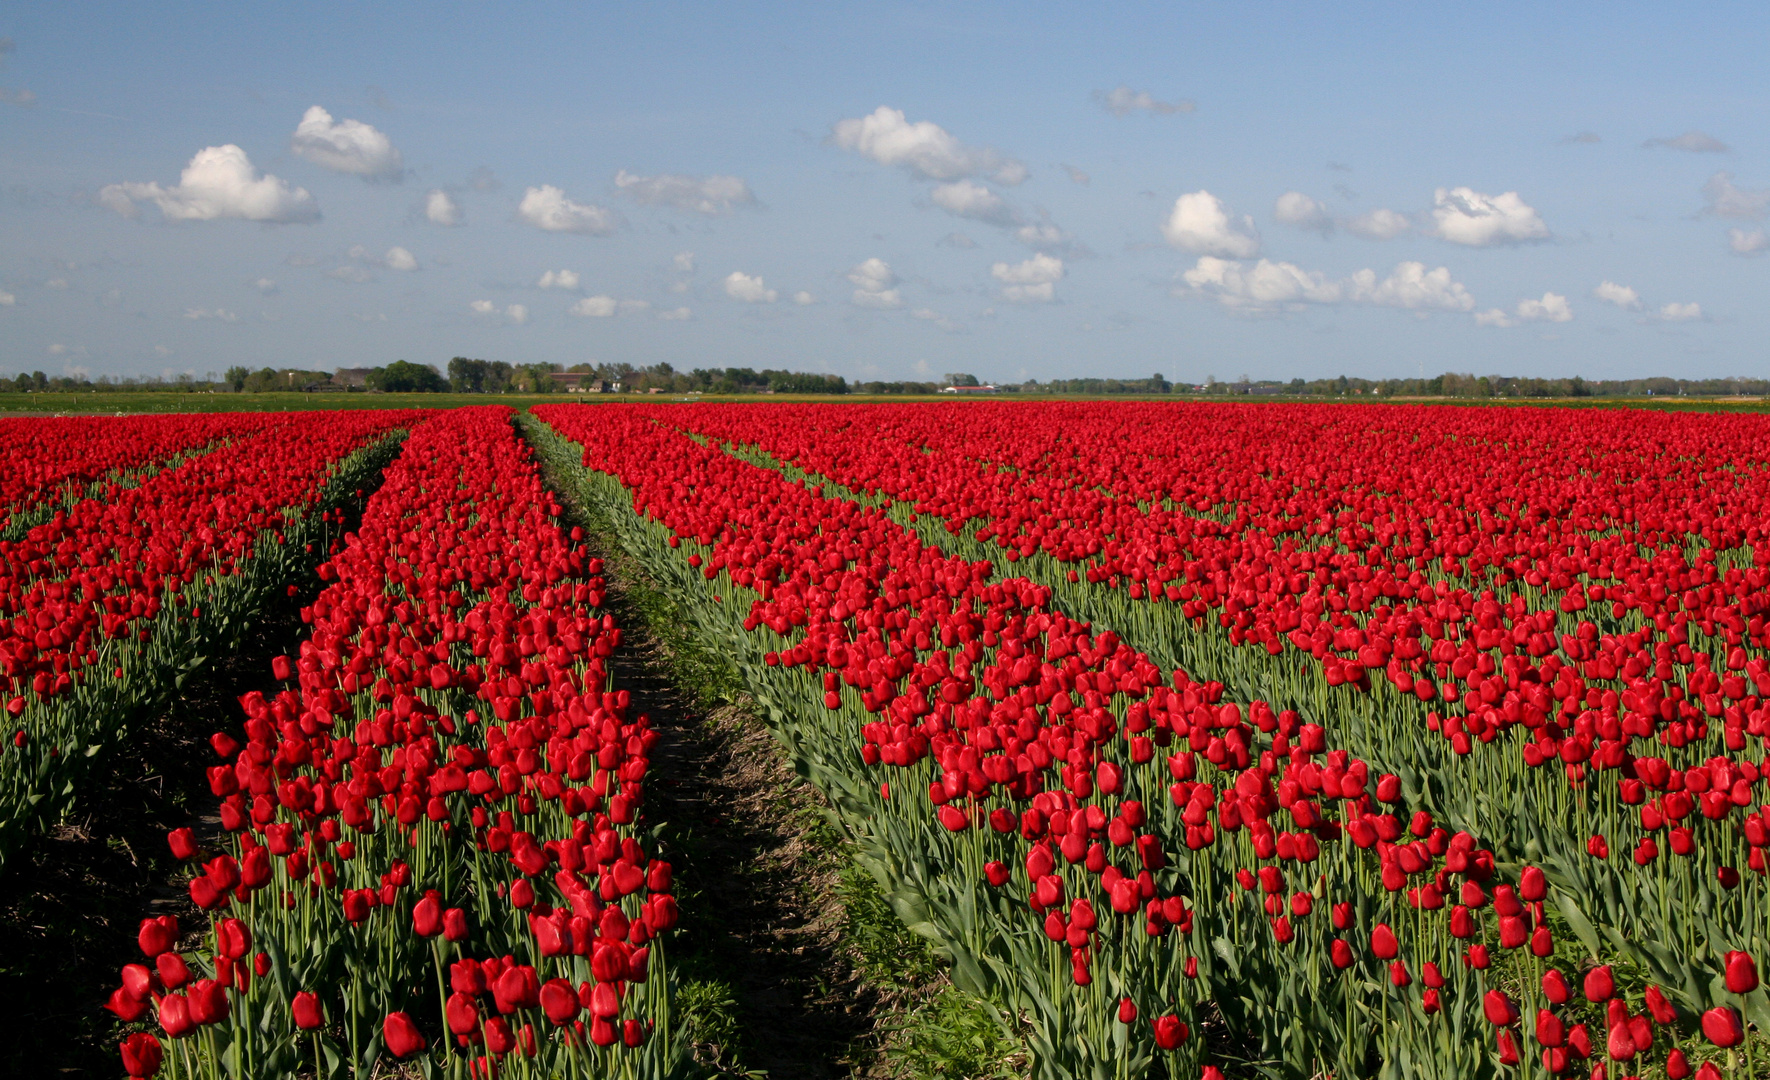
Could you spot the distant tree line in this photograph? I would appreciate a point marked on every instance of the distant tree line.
(465, 375)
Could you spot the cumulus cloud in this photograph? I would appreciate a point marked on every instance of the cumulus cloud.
(217, 315)
(935, 317)
(1199, 224)
(675, 314)
(1693, 142)
(875, 285)
(398, 258)
(356, 275)
(559, 279)
(346, 146)
(516, 314)
(265, 286)
(1298, 209)
(684, 262)
(924, 148)
(1124, 101)
(1551, 308)
(7, 299)
(697, 194)
(440, 208)
(803, 298)
(1379, 224)
(604, 307)
(751, 290)
(1271, 286)
(1466, 216)
(1029, 282)
(1620, 295)
(1676, 312)
(1748, 242)
(1722, 199)
(547, 208)
(220, 182)
(969, 199)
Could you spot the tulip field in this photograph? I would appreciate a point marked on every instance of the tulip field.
(1200, 741)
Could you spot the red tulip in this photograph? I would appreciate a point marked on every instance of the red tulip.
(455, 924)
(1341, 954)
(175, 1017)
(1383, 944)
(427, 916)
(462, 1013)
(1742, 973)
(1170, 1032)
(309, 1015)
(1555, 987)
(141, 1054)
(1599, 985)
(158, 935)
(1722, 1026)
(559, 1001)
(235, 938)
(127, 1007)
(1550, 1031)
(402, 1036)
(1127, 1011)
(183, 845)
(173, 971)
(1498, 1008)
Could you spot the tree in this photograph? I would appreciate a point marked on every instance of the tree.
(236, 377)
(960, 378)
(404, 377)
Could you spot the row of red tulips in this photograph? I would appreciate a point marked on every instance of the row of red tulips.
(432, 848)
(1586, 711)
(49, 460)
(105, 609)
(1057, 726)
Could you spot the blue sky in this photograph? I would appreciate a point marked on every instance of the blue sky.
(888, 190)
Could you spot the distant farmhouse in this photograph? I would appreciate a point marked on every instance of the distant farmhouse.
(969, 390)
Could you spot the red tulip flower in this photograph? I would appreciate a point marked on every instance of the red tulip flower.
(1742, 973)
(1722, 1026)
(402, 1036)
(308, 1014)
(141, 1054)
(1170, 1031)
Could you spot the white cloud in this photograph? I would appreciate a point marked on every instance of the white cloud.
(1124, 101)
(1743, 242)
(1043, 234)
(546, 207)
(1466, 216)
(265, 286)
(58, 284)
(603, 307)
(218, 315)
(220, 182)
(440, 208)
(935, 317)
(1077, 176)
(1199, 224)
(1551, 308)
(1379, 224)
(969, 199)
(675, 314)
(346, 146)
(1270, 286)
(559, 279)
(1620, 295)
(751, 290)
(1029, 282)
(875, 285)
(924, 148)
(1725, 200)
(696, 194)
(1298, 209)
(957, 240)
(21, 97)
(398, 258)
(684, 261)
(1694, 142)
(515, 313)
(802, 298)
(356, 275)
(1676, 312)
(7, 299)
